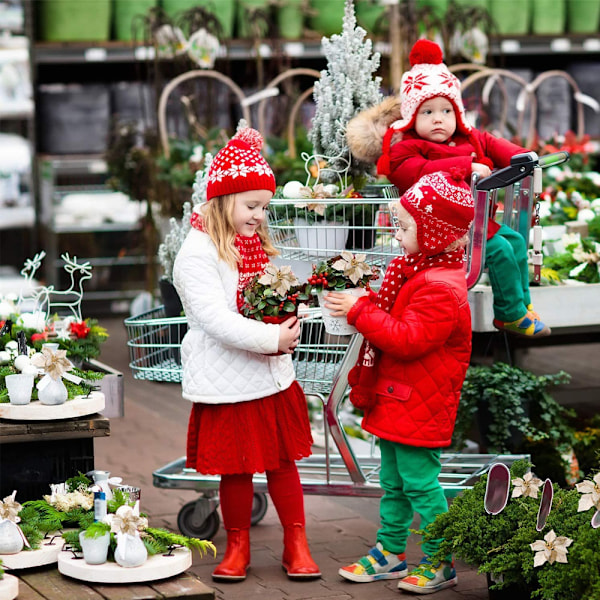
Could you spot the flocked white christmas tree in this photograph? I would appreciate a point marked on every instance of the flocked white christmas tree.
(346, 87)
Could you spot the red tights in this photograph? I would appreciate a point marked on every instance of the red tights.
(236, 496)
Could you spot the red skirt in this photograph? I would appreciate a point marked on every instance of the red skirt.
(249, 437)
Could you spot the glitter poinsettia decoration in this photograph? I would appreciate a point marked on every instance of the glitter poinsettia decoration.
(528, 485)
(341, 272)
(276, 293)
(551, 549)
(54, 362)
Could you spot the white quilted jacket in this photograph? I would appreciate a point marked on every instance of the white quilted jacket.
(224, 354)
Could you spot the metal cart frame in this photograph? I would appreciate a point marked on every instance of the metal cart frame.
(323, 361)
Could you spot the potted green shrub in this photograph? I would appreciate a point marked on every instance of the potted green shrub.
(512, 410)
(559, 562)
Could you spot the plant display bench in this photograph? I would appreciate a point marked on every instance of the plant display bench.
(48, 583)
(36, 453)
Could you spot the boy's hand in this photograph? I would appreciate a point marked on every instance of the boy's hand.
(339, 304)
(481, 170)
(289, 335)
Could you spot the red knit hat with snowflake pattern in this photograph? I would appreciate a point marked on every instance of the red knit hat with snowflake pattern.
(239, 167)
(428, 78)
(442, 206)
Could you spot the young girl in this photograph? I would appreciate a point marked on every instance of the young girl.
(249, 413)
(425, 131)
(416, 350)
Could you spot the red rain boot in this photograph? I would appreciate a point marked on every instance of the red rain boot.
(297, 561)
(237, 557)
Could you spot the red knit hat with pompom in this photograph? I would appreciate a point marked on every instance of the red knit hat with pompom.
(428, 78)
(442, 206)
(239, 167)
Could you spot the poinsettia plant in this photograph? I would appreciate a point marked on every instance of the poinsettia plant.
(275, 294)
(347, 270)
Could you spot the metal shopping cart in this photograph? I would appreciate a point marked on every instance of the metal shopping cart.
(348, 466)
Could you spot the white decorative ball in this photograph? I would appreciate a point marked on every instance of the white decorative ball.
(292, 189)
(21, 362)
(30, 370)
(332, 189)
(4, 357)
(586, 214)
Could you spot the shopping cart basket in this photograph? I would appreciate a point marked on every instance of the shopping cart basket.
(323, 361)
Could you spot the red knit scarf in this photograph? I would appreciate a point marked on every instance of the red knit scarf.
(254, 258)
(400, 270)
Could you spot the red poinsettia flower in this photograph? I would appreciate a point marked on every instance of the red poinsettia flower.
(39, 337)
(79, 330)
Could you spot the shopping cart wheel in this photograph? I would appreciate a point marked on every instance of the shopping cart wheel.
(194, 520)
(259, 507)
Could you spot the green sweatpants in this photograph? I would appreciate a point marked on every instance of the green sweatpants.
(506, 261)
(409, 478)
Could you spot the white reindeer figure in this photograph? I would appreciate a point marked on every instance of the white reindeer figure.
(29, 269)
(70, 299)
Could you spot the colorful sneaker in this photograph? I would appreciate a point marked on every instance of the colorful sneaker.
(526, 326)
(428, 578)
(532, 313)
(377, 564)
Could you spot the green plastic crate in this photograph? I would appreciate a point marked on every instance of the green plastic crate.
(74, 20)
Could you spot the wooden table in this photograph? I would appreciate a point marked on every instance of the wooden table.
(34, 454)
(46, 583)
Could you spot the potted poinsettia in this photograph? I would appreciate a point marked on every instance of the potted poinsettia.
(346, 273)
(275, 295)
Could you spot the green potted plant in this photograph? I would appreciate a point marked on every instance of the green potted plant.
(513, 411)
(522, 561)
(275, 295)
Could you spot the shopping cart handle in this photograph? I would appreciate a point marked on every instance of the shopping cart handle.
(556, 158)
(521, 165)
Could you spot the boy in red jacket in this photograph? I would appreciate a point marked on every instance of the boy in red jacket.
(412, 364)
(427, 131)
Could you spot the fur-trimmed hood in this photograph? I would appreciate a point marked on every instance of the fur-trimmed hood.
(364, 132)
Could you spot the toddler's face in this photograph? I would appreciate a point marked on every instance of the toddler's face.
(436, 121)
(250, 210)
(406, 228)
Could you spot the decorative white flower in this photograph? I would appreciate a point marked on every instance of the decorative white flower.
(528, 485)
(318, 191)
(54, 363)
(590, 493)
(551, 549)
(10, 508)
(65, 502)
(281, 280)
(316, 207)
(353, 266)
(127, 520)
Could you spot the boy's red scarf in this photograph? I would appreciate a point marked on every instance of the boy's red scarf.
(402, 268)
(254, 258)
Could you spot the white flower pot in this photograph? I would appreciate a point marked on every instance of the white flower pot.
(19, 388)
(321, 238)
(95, 549)
(338, 325)
(130, 551)
(11, 540)
(52, 391)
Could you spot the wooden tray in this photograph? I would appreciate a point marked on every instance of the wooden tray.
(36, 411)
(156, 567)
(26, 559)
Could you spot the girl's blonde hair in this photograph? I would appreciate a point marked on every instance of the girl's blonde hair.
(218, 224)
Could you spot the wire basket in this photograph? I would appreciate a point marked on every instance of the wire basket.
(154, 342)
(308, 229)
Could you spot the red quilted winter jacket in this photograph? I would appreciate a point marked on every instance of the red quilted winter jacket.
(425, 344)
(414, 157)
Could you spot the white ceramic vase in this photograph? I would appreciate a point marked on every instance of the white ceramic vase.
(11, 540)
(338, 325)
(19, 388)
(130, 551)
(52, 391)
(95, 549)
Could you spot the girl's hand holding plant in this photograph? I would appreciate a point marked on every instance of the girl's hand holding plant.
(340, 304)
(289, 335)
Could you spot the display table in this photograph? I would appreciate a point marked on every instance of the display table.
(46, 583)
(34, 454)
